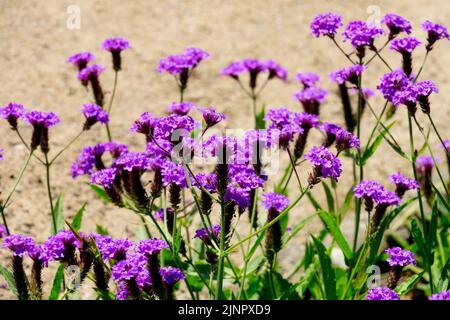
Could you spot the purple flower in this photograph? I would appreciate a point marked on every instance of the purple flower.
(387, 198)
(402, 183)
(346, 140)
(279, 117)
(151, 247)
(94, 113)
(350, 74)
(426, 88)
(179, 63)
(306, 120)
(203, 234)
(324, 162)
(396, 24)
(234, 69)
(132, 270)
(254, 65)
(160, 214)
(311, 95)
(393, 82)
(81, 60)
(165, 127)
(113, 249)
(408, 96)
(424, 163)
(308, 79)
(3, 231)
(12, 112)
(173, 173)
(134, 161)
(115, 44)
(40, 118)
(405, 45)
(145, 124)
(212, 117)
(207, 181)
(399, 257)
(181, 108)
(171, 275)
(239, 196)
(444, 295)
(39, 254)
(275, 70)
(244, 177)
(382, 293)
(89, 72)
(275, 201)
(18, 244)
(326, 24)
(361, 33)
(368, 189)
(330, 130)
(56, 245)
(435, 32)
(104, 177)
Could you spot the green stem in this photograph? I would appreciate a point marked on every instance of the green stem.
(49, 193)
(66, 147)
(220, 269)
(342, 50)
(437, 133)
(108, 130)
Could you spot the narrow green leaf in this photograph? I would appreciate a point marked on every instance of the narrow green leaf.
(331, 224)
(76, 222)
(57, 282)
(406, 286)
(299, 226)
(375, 144)
(313, 201)
(329, 196)
(432, 232)
(59, 214)
(100, 192)
(260, 123)
(9, 278)
(347, 201)
(304, 282)
(420, 241)
(328, 274)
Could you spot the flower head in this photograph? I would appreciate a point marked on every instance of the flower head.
(56, 245)
(393, 82)
(396, 24)
(203, 234)
(92, 71)
(12, 112)
(81, 60)
(104, 177)
(173, 173)
(113, 249)
(405, 45)
(133, 161)
(311, 95)
(178, 63)
(308, 79)
(40, 118)
(115, 44)
(346, 140)
(18, 244)
(325, 163)
(399, 257)
(326, 24)
(275, 70)
(350, 74)
(424, 163)
(151, 247)
(212, 117)
(361, 33)
(368, 189)
(234, 69)
(134, 270)
(171, 275)
(435, 32)
(207, 181)
(275, 201)
(382, 293)
(444, 295)
(306, 120)
(94, 113)
(403, 183)
(181, 108)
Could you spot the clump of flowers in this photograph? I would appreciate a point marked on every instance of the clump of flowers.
(398, 258)
(382, 293)
(325, 164)
(116, 46)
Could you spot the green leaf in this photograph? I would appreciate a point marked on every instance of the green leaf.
(313, 201)
(328, 274)
(101, 230)
(76, 222)
(9, 278)
(260, 123)
(304, 282)
(100, 192)
(347, 201)
(280, 286)
(59, 214)
(397, 149)
(57, 282)
(374, 146)
(333, 227)
(329, 196)
(195, 282)
(432, 232)
(420, 241)
(299, 226)
(404, 287)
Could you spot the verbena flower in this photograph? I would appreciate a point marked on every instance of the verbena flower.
(306, 120)
(81, 60)
(90, 75)
(237, 195)
(166, 127)
(424, 166)
(311, 95)
(275, 70)
(204, 234)
(361, 34)
(173, 173)
(234, 69)
(393, 82)
(308, 79)
(104, 177)
(350, 74)
(435, 32)
(3, 231)
(171, 275)
(444, 295)
(116, 46)
(368, 189)
(178, 63)
(424, 163)
(400, 257)
(403, 183)
(131, 276)
(12, 112)
(181, 108)
(382, 293)
(424, 89)
(61, 246)
(387, 198)
(92, 71)
(276, 201)
(325, 163)
(405, 45)
(151, 247)
(94, 114)
(145, 125)
(41, 122)
(330, 130)
(346, 140)
(113, 249)
(133, 160)
(212, 117)
(19, 244)
(326, 24)
(207, 181)
(396, 24)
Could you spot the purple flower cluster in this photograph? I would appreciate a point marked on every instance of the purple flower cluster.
(133, 161)
(131, 272)
(171, 275)
(275, 201)
(396, 24)
(94, 113)
(115, 44)
(113, 249)
(181, 108)
(344, 139)
(399, 257)
(350, 74)
(203, 233)
(19, 245)
(212, 117)
(57, 244)
(311, 95)
(393, 82)
(306, 120)
(403, 183)
(81, 60)
(254, 66)
(308, 79)
(40, 118)
(207, 181)
(424, 164)
(374, 191)
(92, 71)
(173, 173)
(361, 33)
(405, 45)
(178, 63)
(324, 162)
(435, 32)
(282, 127)
(151, 247)
(444, 295)
(382, 293)
(12, 112)
(104, 177)
(326, 24)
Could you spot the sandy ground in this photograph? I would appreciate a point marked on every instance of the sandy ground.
(35, 43)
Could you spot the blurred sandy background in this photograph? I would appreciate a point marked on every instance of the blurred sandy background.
(35, 43)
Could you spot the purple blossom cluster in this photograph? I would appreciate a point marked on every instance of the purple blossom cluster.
(373, 191)
(403, 183)
(171, 275)
(361, 33)
(275, 201)
(254, 67)
(179, 63)
(307, 79)
(350, 74)
(204, 234)
(12, 112)
(181, 108)
(326, 24)
(115, 44)
(325, 163)
(400, 257)
(444, 295)
(19, 245)
(435, 32)
(81, 60)
(212, 117)
(311, 95)
(42, 119)
(396, 24)
(405, 45)
(382, 293)
(89, 72)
